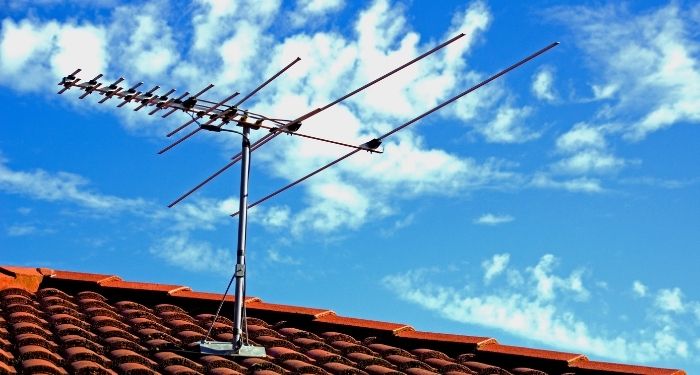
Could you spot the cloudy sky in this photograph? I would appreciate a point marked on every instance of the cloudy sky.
(557, 207)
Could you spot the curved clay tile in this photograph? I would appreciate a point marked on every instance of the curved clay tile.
(129, 305)
(54, 300)
(90, 295)
(58, 319)
(58, 309)
(72, 329)
(141, 323)
(484, 369)
(6, 368)
(15, 292)
(136, 313)
(424, 354)
(342, 369)
(108, 321)
(53, 292)
(301, 367)
(210, 317)
(189, 337)
(22, 317)
(270, 341)
(212, 362)
(90, 368)
(159, 344)
(24, 307)
(179, 325)
(527, 371)
(125, 356)
(180, 370)
(337, 336)
(151, 333)
(21, 328)
(28, 352)
(256, 330)
(34, 339)
(420, 371)
(131, 368)
(109, 331)
(364, 360)
(116, 343)
(404, 363)
(226, 336)
(348, 347)
(381, 370)
(225, 371)
(258, 364)
(71, 341)
(310, 344)
(323, 356)
(176, 315)
(12, 299)
(77, 353)
(264, 372)
(165, 307)
(444, 365)
(295, 333)
(171, 359)
(256, 321)
(387, 350)
(41, 366)
(281, 354)
(92, 302)
(101, 311)
(6, 356)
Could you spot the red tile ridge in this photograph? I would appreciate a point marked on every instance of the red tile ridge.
(393, 328)
(621, 369)
(190, 294)
(121, 284)
(84, 276)
(542, 354)
(477, 341)
(310, 312)
(25, 278)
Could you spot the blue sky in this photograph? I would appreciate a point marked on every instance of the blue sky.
(555, 208)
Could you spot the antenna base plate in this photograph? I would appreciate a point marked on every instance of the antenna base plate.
(227, 349)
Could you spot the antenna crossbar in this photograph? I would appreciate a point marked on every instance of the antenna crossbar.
(297, 122)
(407, 123)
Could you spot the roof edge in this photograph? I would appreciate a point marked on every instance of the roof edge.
(25, 278)
(31, 279)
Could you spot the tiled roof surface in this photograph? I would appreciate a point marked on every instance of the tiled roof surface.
(60, 322)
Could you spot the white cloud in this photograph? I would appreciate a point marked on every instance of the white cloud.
(20, 230)
(275, 257)
(647, 64)
(522, 310)
(582, 136)
(508, 126)
(494, 266)
(33, 56)
(62, 187)
(542, 83)
(588, 162)
(670, 300)
(576, 185)
(493, 219)
(639, 289)
(181, 251)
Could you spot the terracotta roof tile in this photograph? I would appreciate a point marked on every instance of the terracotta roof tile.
(80, 323)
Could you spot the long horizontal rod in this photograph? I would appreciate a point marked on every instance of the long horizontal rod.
(270, 136)
(404, 125)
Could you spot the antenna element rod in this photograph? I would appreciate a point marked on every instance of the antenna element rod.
(463, 93)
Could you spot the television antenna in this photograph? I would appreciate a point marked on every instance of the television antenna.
(214, 117)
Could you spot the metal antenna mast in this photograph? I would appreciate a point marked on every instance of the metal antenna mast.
(215, 116)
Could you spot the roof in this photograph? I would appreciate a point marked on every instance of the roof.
(60, 322)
